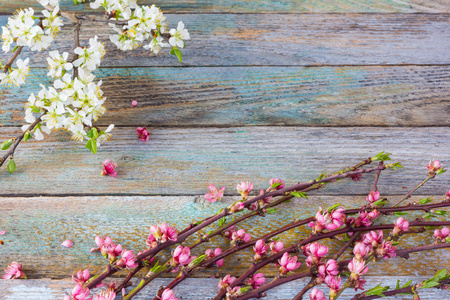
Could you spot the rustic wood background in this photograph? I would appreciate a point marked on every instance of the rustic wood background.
(288, 89)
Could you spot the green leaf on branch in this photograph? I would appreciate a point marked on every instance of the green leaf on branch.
(425, 200)
(447, 240)
(394, 166)
(276, 184)
(400, 213)
(27, 136)
(441, 171)
(382, 156)
(11, 166)
(346, 237)
(429, 284)
(440, 274)
(333, 207)
(36, 109)
(428, 215)
(271, 211)
(321, 176)
(378, 290)
(299, 195)
(93, 133)
(92, 145)
(7, 144)
(197, 261)
(408, 284)
(380, 202)
(176, 51)
(222, 221)
(245, 289)
(440, 212)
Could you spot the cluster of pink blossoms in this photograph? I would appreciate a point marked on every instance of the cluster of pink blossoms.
(328, 220)
(161, 234)
(240, 236)
(82, 293)
(364, 218)
(256, 280)
(400, 225)
(211, 253)
(288, 263)
(14, 271)
(109, 249)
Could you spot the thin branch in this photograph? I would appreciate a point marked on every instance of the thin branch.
(18, 139)
(76, 31)
(307, 287)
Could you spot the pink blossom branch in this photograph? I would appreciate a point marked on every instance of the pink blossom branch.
(277, 282)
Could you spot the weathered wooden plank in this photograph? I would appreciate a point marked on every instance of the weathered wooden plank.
(237, 96)
(185, 161)
(35, 228)
(264, 6)
(292, 40)
(196, 289)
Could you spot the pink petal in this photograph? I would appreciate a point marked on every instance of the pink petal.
(134, 103)
(2, 232)
(67, 243)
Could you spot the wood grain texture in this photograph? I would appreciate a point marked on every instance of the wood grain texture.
(185, 161)
(288, 40)
(36, 227)
(196, 289)
(263, 6)
(240, 96)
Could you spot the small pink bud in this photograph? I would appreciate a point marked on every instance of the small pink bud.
(361, 250)
(288, 263)
(334, 283)
(276, 184)
(260, 249)
(257, 281)
(373, 238)
(168, 294)
(143, 134)
(356, 177)
(240, 235)
(316, 295)
(226, 281)
(447, 196)
(134, 103)
(67, 243)
(244, 188)
(373, 196)
(181, 256)
(386, 250)
(434, 166)
(127, 260)
(357, 268)
(109, 168)
(400, 225)
(276, 246)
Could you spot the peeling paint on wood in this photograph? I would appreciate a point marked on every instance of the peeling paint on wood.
(284, 40)
(236, 96)
(36, 227)
(185, 161)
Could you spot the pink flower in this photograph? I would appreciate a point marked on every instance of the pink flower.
(210, 253)
(164, 232)
(276, 184)
(276, 246)
(334, 283)
(181, 256)
(434, 166)
(257, 280)
(238, 206)
(80, 293)
(400, 225)
(315, 252)
(214, 193)
(447, 196)
(14, 271)
(109, 168)
(151, 241)
(226, 281)
(373, 238)
(106, 295)
(240, 236)
(359, 284)
(330, 221)
(288, 263)
(364, 219)
(101, 242)
(442, 234)
(82, 276)
(112, 250)
(134, 103)
(361, 250)
(233, 293)
(260, 249)
(67, 243)
(127, 260)
(229, 232)
(373, 197)
(244, 188)
(168, 294)
(357, 268)
(143, 134)
(386, 250)
(316, 295)
(264, 200)
(329, 268)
